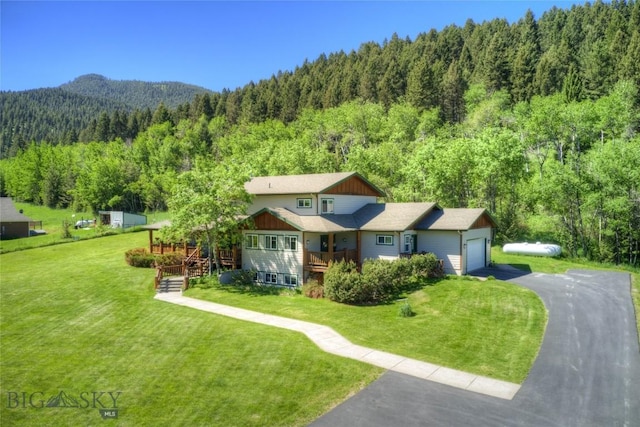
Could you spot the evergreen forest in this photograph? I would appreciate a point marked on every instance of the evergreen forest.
(537, 121)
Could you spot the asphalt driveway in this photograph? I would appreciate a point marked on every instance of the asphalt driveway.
(586, 374)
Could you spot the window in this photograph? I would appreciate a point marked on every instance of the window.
(291, 280)
(407, 243)
(327, 206)
(271, 278)
(271, 242)
(384, 239)
(251, 241)
(256, 277)
(304, 203)
(291, 243)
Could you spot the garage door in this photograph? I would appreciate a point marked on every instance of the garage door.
(475, 254)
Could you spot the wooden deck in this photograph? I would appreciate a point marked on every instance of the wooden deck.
(319, 261)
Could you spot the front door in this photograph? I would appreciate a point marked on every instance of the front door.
(324, 243)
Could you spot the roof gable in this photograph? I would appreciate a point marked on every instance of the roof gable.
(457, 219)
(331, 183)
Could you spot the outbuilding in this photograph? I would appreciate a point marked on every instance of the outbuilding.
(120, 219)
(13, 223)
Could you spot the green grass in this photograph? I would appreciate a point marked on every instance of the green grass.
(76, 318)
(491, 328)
(52, 220)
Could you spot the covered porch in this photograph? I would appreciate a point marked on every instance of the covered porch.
(320, 249)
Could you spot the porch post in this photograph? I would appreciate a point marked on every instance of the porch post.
(358, 247)
(305, 256)
(330, 247)
(150, 241)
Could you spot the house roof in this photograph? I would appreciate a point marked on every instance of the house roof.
(391, 216)
(157, 225)
(453, 219)
(9, 213)
(302, 184)
(313, 223)
(371, 217)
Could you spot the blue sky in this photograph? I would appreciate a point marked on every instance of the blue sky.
(214, 44)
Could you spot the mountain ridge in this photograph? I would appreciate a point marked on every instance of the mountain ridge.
(135, 93)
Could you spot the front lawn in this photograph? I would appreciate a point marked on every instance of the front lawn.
(490, 328)
(76, 319)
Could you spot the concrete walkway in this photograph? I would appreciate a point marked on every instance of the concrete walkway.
(332, 342)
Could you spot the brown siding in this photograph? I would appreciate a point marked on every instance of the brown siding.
(483, 222)
(266, 221)
(354, 186)
(14, 229)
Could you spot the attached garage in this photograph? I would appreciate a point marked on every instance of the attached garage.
(460, 237)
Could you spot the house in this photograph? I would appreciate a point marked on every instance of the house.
(302, 222)
(13, 223)
(119, 219)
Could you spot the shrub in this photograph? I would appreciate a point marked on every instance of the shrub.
(406, 310)
(425, 265)
(139, 257)
(343, 283)
(381, 277)
(142, 258)
(172, 258)
(313, 289)
(380, 281)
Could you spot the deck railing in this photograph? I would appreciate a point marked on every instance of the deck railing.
(163, 271)
(322, 259)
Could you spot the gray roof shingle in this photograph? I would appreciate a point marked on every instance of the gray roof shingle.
(9, 213)
(391, 216)
(451, 219)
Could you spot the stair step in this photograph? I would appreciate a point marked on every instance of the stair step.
(171, 284)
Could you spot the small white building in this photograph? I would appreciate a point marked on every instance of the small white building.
(120, 219)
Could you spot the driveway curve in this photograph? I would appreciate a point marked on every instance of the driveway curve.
(587, 372)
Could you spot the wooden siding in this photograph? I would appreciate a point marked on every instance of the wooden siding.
(353, 186)
(266, 221)
(482, 222)
(14, 229)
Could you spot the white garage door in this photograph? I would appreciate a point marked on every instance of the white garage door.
(475, 254)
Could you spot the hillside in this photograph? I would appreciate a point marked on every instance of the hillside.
(134, 93)
(60, 115)
(580, 53)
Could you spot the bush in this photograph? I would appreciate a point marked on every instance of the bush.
(406, 310)
(380, 281)
(343, 283)
(426, 265)
(139, 257)
(172, 258)
(142, 258)
(382, 277)
(313, 289)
